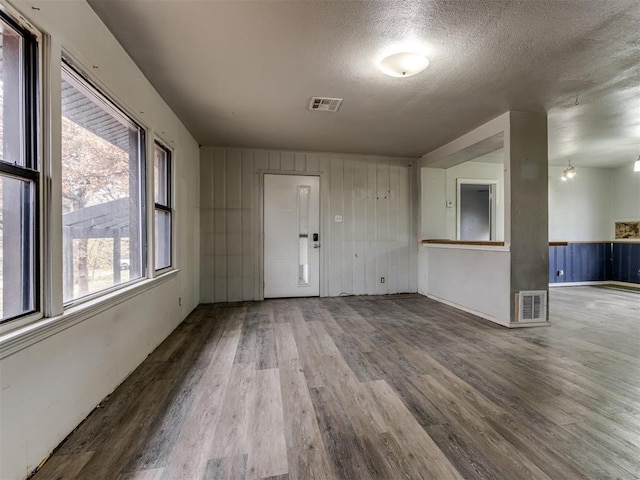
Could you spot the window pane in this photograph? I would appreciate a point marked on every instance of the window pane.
(163, 239)
(11, 96)
(161, 167)
(101, 190)
(17, 200)
(303, 234)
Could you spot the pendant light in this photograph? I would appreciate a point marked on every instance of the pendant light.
(569, 172)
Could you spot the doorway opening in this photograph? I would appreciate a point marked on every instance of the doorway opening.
(476, 210)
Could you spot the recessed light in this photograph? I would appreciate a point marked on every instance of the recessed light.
(403, 64)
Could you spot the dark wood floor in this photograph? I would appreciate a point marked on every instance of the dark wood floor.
(396, 387)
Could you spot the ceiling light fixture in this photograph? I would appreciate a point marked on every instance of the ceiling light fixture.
(636, 165)
(569, 172)
(403, 64)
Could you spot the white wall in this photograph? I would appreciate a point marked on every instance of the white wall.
(582, 208)
(439, 189)
(625, 200)
(586, 207)
(433, 202)
(376, 197)
(473, 279)
(48, 387)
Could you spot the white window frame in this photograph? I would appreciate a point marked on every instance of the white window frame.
(170, 208)
(72, 68)
(32, 170)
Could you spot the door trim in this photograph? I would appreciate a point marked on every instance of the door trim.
(259, 238)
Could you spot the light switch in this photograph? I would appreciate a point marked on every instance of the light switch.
(338, 218)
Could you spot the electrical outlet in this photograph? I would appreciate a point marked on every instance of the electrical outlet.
(338, 218)
(381, 279)
(560, 273)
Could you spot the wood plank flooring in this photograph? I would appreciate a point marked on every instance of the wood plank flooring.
(392, 387)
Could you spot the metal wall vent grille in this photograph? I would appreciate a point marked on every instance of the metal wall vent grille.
(532, 306)
(325, 104)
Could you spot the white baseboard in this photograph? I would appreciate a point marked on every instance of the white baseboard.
(625, 284)
(587, 284)
(579, 284)
(529, 324)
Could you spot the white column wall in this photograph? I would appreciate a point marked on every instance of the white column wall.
(473, 278)
(486, 279)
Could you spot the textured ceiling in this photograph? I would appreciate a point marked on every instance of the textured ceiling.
(240, 73)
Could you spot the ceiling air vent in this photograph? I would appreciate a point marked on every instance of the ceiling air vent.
(325, 104)
(532, 306)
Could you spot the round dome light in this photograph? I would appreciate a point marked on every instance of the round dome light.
(403, 64)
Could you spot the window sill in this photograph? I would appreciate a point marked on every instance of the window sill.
(24, 336)
(466, 245)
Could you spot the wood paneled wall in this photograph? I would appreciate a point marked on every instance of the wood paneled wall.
(595, 262)
(581, 262)
(376, 197)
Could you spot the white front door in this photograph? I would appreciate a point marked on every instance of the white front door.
(291, 236)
